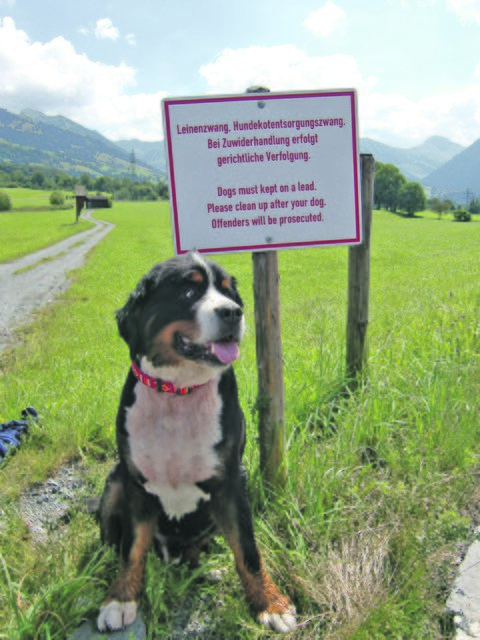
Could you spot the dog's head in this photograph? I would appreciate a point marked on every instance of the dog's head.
(184, 320)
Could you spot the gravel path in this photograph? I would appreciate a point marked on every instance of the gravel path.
(30, 282)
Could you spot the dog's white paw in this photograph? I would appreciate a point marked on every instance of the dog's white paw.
(281, 622)
(116, 615)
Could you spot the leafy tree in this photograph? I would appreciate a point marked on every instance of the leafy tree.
(474, 206)
(440, 206)
(162, 189)
(137, 191)
(64, 181)
(388, 184)
(18, 178)
(412, 198)
(116, 185)
(143, 191)
(122, 194)
(461, 215)
(57, 198)
(103, 183)
(38, 180)
(86, 181)
(5, 202)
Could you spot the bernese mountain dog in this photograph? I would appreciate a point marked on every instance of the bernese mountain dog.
(181, 435)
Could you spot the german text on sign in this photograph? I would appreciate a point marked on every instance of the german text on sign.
(263, 171)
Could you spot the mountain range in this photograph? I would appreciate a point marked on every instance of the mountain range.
(31, 137)
(416, 163)
(445, 168)
(459, 177)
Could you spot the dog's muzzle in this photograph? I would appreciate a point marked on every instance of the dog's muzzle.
(223, 348)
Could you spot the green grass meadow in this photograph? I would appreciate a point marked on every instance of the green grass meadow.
(32, 223)
(382, 485)
(27, 198)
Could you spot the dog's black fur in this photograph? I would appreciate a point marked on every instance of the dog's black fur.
(180, 477)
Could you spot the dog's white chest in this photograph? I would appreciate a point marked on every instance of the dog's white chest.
(172, 440)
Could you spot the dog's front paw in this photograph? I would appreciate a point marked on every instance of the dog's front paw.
(116, 615)
(278, 620)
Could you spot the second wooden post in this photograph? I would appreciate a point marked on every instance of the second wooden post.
(359, 281)
(270, 400)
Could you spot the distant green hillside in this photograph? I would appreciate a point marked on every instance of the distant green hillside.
(32, 138)
(54, 141)
(152, 153)
(459, 178)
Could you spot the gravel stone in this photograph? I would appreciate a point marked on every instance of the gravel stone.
(88, 631)
(464, 601)
(45, 508)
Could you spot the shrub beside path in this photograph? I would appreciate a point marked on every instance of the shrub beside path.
(30, 282)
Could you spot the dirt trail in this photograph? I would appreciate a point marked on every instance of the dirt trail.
(30, 282)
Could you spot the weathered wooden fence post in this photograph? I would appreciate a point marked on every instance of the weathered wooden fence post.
(270, 400)
(268, 334)
(359, 280)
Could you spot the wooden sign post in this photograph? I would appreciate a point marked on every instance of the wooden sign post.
(359, 280)
(270, 397)
(268, 341)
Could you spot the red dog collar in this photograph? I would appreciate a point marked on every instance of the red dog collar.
(161, 385)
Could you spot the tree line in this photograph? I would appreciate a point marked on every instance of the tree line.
(45, 178)
(394, 192)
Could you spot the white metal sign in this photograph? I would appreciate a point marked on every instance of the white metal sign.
(253, 172)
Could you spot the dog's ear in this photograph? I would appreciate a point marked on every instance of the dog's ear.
(122, 316)
(127, 316)
(237, 294)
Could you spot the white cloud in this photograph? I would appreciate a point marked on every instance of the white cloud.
(52, 77)
(280, 68)
(324, 21)
(399, 120)
(466, 10)
(389, 117)
(104, 30)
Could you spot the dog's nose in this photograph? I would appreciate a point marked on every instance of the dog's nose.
(231, 315)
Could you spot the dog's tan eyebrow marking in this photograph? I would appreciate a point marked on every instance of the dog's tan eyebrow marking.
(225, 283)
(195, 276)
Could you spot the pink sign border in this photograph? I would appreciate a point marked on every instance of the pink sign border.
(169, 102)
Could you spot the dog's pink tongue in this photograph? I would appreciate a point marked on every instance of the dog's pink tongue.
(226, 352)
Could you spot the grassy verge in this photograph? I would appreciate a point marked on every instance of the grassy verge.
(33, 224)
(379, 483)
(23, 197)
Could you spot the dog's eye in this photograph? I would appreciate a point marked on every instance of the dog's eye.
(189, 293)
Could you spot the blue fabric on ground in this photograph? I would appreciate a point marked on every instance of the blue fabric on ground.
(11, 432)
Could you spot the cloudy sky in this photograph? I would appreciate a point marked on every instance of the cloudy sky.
(107, 64)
